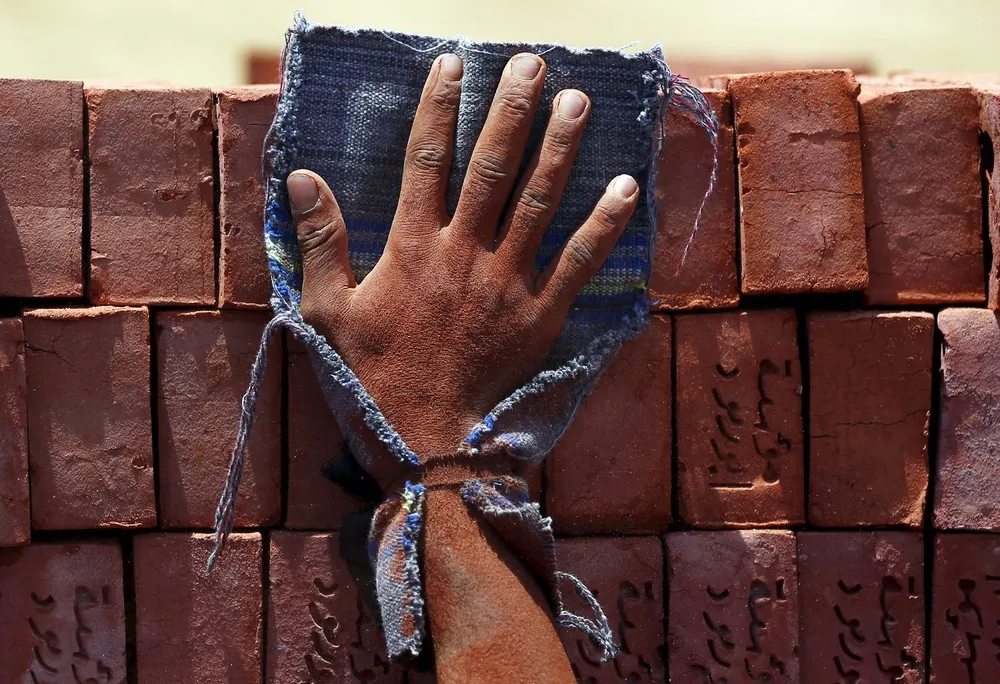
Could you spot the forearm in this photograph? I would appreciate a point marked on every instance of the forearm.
(488, 617)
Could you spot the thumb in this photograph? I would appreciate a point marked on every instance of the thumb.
(322, 235)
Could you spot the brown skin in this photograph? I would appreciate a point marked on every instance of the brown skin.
(451, 320)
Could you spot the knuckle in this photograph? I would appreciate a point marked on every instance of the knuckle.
(317, 238)
(534, 201)
(445, 97)
(607, 214)
(581, 251)
(559, 138)
(516, 102)
(427, 156)
(489, 167)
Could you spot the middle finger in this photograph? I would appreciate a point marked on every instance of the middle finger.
(497, 155)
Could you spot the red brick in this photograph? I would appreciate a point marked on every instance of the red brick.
(151, 196)
(869, 412)
(967, 491)
(15, 507)
(923, 200)
(610, 472)
(90, 437)
(862, 606)
(244, 116)
(801, 200)
(989, 121)
(318, 626)
(314, 502)
(626, 576)
(192, 626)
(739, 419)
(707, 280)
(203, 368)
(41, 188)
(733, 607)
(62, 613)
(965, 622)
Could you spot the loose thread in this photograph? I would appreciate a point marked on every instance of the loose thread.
(689, 99)
(226, 512)
(597, 629)
(677, 91)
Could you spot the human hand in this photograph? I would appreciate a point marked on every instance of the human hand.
(455, 316)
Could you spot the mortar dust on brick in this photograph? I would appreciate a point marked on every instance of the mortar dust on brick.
(41, 188)
(862, 600)
(734, 607)
(90, 449)
(62, 615)
(244, 117)
(621, 438)
(800, 182)
(192, 626)
(15, 506)
(739, 419)
(151, 196)
(869, 416)
(202, 362)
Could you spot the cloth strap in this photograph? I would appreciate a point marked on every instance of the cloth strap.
(394, 548)
(394, 539)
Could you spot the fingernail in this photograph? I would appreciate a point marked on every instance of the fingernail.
(624, 185)
(451, 67)
(303, 193)
(571, 105)
(526, 66)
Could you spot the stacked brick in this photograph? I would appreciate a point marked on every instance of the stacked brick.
(798, 459)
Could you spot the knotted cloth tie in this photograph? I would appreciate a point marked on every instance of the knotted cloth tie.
(503, 501)
(345, 110)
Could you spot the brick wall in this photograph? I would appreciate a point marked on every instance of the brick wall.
(800, 458)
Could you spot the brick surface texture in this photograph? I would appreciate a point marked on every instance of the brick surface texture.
(202, 363)
(191, 626)
(244, 116)
(802, 209)
(733, 607)
(41, 223)
(757, 489)
(967, 495)
(924, 221)
(965, 624)
(739, 419)
(618, 447)
(320, 627)
(15, 513)
(708, 278)
(90, 431)
(151, 196)
(869, 415)
(314, 502)
(627, 575)
(62, 613)
(861, 596)
(989, 123)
